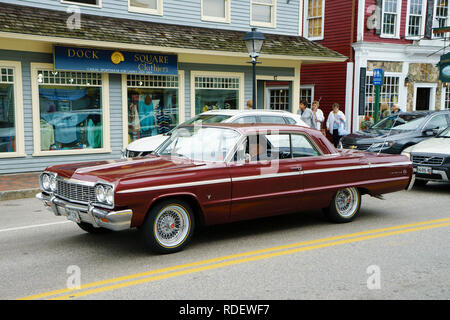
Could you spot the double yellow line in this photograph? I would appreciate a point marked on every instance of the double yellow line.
(234, 259)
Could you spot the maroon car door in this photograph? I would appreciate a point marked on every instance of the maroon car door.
(269, 183)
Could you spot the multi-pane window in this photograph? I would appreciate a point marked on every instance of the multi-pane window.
(314, 18)
(388, 94)
(416, 18)
(447, 97)
(441, 15)
(216, 10)
(390, 17)
(279, 99)
(70, 110)
(215, 92)
(307, 94)
(263, 12)
(7, 111)
(146, 6)
(152, 105)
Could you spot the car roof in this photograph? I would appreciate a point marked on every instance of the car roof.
(424, 113)
(253, 127)
(231, 112)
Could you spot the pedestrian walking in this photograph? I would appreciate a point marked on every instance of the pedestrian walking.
(336, 124)
(318, 116)
(306, 114)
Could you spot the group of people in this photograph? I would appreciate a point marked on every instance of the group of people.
(314, 117)
(386, 112)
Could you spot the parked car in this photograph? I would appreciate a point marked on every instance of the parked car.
(431, 158)
(218, 174)
(398, 132)
(144, 146)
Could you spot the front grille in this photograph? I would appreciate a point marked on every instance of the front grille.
(75, 192)
(430, 160)
(356, 146)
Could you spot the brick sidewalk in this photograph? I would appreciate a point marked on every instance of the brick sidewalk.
(17, 186)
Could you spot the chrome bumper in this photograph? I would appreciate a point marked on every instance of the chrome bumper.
(411, 182)
(99, 218)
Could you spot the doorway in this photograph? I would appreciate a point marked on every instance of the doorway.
(423, 99)
(277, 96)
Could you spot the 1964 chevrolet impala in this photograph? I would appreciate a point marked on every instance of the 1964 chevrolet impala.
(217, 174)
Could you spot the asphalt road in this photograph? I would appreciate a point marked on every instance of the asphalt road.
(398, 248)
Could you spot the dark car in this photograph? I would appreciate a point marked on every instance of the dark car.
(397, 132)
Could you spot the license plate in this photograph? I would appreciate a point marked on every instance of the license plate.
(73, 215)
(424, 170)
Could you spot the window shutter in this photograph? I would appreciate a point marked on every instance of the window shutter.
(429, 23)
(379, 13)
(362, 91)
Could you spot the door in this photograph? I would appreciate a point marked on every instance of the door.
(266, 180)
(423, 99)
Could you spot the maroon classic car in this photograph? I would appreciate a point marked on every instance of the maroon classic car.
(218, 174)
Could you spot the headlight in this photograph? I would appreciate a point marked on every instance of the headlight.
(104, 194)
(381, 145)
(109, 196)
(407, 154)
(53, 184)
(46, 182)
(100, 193)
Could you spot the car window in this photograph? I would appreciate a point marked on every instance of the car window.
(302, 147)
(437, 122)
(247, 119)
(290, 120)
(401, 122)
(271, 119)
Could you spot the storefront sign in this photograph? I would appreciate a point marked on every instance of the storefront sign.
(444, 68)
(114, 61)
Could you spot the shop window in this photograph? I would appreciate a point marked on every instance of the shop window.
(216, 10)
(391, 18)
(314, 19)
(215, 92)
(416, 18)
(263, 13)
(446, 90)
(152, 105)
(388, 94)
(70, 110)
(441, 16)
(146, 6)
(7, 111)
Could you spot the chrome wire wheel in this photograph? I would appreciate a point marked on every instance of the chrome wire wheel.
(347, 202)
(172, 226)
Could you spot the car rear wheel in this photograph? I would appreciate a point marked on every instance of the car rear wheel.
(345, 205)
(169, 226)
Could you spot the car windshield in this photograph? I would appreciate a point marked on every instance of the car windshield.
(400, 122)
(200, 143)
(203, 119)
(445, 133)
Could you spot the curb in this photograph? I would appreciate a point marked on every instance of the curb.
(18, 194)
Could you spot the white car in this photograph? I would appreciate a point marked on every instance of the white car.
(431, 159)
(144, 146)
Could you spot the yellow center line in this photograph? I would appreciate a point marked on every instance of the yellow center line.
(239, 261)
(223, 258)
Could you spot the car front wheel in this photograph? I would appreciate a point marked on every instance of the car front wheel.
(169, 226)
(345, 205)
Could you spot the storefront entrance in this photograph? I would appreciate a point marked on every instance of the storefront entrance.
(277, 96)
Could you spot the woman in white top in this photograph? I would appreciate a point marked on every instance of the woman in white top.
(318, 115)
(336, 124)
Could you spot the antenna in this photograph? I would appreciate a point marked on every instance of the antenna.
(388, 135)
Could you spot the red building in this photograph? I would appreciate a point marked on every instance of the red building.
(395, 35)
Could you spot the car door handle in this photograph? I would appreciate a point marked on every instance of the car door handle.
(297, 168)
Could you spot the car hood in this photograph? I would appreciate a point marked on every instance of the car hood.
(432, 145)
(147, 144)
(372, 135)
(113, 170)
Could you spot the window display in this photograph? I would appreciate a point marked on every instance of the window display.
(212, 93)
(70, 115)
(7, 111)
(152, 105)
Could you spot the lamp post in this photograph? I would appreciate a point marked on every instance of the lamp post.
(254, 41)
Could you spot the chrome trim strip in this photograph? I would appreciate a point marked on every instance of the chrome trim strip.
(76, 181)
(267, 176)
(178, 185)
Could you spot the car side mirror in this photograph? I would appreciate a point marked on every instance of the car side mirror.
(428, 132)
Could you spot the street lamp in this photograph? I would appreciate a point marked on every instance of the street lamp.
(254, 41)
